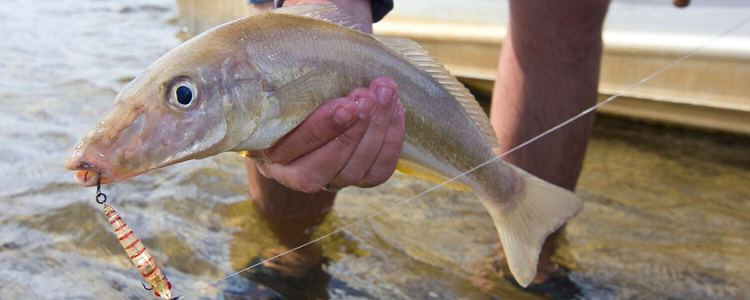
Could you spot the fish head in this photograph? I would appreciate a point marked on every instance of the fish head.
(184, 106)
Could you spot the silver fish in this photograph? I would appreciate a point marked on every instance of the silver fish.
(244, 85)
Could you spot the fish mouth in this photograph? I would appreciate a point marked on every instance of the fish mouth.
(97, 172)
(90, 178)
(88, 174)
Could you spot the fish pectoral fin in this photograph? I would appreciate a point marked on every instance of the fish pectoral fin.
(416, 170)
(325, 11)
(303, 93)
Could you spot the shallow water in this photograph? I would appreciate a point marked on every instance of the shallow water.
(667, 211)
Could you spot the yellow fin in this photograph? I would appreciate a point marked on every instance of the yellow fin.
(419, 57)
(321, 11)
(244, 153)
(418, 171)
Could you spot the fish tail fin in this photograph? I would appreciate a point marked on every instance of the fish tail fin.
(525, 222)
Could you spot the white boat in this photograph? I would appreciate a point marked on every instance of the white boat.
(710, 90)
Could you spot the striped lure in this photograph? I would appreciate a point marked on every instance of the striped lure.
(139, 255)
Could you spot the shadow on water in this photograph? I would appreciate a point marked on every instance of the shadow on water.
(297, 275)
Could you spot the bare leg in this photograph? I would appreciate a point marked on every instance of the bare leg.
(548, 72)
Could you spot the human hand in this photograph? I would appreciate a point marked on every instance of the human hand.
(354, 140)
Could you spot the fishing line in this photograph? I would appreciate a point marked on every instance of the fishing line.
(539, 136)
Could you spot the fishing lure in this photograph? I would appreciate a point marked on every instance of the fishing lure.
(139, 255)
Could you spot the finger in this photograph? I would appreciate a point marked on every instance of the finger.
(387, 159)
(323, 125)
(262, 168)
(367, 151)
(311, 172)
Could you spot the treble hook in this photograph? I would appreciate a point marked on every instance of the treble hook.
(101, 198)
(151, 288)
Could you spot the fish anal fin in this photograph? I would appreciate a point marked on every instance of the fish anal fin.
(321, 11)
(418, 56)
(526, 220)
(416, 170)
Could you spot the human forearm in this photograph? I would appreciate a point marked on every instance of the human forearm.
(323, 152)
(360, 9)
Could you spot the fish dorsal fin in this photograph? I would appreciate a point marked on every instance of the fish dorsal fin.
(419, 57)
(321, 11)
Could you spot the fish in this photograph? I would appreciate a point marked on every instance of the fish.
(139, 255)
(243, 85)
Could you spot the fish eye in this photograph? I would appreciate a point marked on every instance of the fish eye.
(182, 94)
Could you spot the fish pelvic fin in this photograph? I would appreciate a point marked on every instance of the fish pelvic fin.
(321, 11)
(525, 222)
(419, 57)
(416, 170)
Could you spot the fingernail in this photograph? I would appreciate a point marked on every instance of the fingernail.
(366, 106)
(344, 114)
(384, 94)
